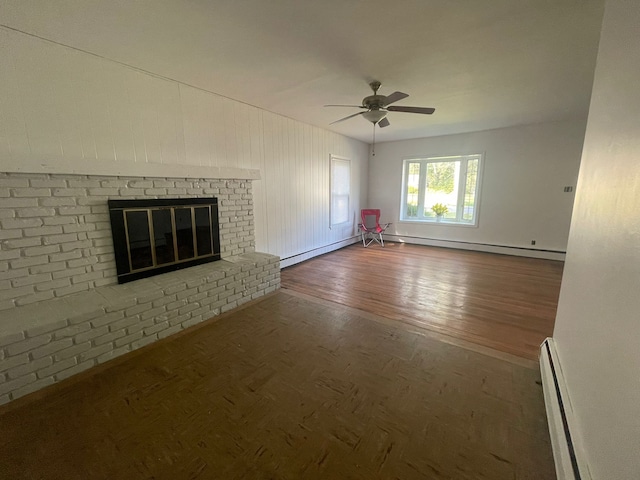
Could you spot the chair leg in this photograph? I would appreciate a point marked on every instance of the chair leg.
(381, 240)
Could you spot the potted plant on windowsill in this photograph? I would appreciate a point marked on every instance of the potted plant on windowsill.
(439, 209)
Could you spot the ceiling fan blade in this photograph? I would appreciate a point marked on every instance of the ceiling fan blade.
(383, 123)
(394, 97)
(347, 118)
(354, 106)
(425, 110)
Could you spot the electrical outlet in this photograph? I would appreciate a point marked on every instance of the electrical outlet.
(568, 189)
(533, 242)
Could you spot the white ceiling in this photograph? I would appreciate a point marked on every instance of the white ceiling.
(481, 64)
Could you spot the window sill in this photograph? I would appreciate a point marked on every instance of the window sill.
(442, 222)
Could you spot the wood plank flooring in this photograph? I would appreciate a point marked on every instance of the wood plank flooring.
(287, 388)
(499, 301)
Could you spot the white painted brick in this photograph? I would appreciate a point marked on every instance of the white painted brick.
(95, 352)
(90, 334)
(57, 202)
(187, 309)
(72, 351)
(86, 277)
(169, 331)
(20, 203)
(144, 341)
(17, 383)
(62, 238)
(32, 387)
(141, 184)
(57, 367)
(30, 280)
(27, 345)
(156, 328)
(69, 192)
(69, 272)
(124, 323)
(41, 250)
(81, 367)
(149, 297)
(191, 322)
(186, 293)
(116, 352)
(43, 231)
(28, 368)
(46, 328)
(164, 300)
(108, 338)
(61, 257)
(10, 234)
(71, 331)
(83, 183)
(49, 267)
(30, 192)
(14, 182)
(64, 291)
(12, 362)
(140, 325)
(79, 227)
(11, 223)
(175, 289)
(33, 212)
(47, 182)
(33, 298)
(152, 313)
(52, 285)
(51, 347)
(74, 211)
(106, 319)
(155, 191)
(127, 340)
(67, 247)
(9, 255)
(60, 220)
(17, 273)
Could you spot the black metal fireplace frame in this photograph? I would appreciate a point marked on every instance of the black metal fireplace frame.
(118, 213)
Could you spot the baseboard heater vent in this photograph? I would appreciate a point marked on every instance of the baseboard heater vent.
(570, 462)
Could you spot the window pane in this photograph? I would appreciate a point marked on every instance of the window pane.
(203, 231)
(441, 187)
(184, 233)
(163, 236)
(468, 213)
(340, 190)
(413, 187)
(139, 239)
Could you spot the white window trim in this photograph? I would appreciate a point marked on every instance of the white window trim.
(332, 160)
(445, 222)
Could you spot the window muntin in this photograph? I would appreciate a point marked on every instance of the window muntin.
(452, 181)
(340, 190)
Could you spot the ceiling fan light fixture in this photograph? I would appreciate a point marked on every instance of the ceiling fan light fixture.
(374, 116)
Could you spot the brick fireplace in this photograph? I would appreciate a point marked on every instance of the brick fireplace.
(61, 308)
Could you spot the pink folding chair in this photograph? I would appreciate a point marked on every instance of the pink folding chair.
(370, 229)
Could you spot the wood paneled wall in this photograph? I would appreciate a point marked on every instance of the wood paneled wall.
(67, 111)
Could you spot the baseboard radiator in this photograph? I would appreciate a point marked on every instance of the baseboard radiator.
(569, 459)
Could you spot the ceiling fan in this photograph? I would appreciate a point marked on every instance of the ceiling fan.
(377, 107)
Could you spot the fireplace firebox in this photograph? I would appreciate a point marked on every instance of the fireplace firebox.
(155, 236)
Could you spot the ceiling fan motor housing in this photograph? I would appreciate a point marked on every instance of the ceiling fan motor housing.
(374, 102)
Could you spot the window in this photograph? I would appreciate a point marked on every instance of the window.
(450, 181)
(340, 190)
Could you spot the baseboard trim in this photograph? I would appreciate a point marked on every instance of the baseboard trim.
(480, 247)
(569, 459)
(315, 252)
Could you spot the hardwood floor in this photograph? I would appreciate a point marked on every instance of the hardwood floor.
(503, 302)
(293, 388)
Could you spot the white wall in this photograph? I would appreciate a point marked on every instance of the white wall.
(597, 331)
(522, 199)
(65, 111)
